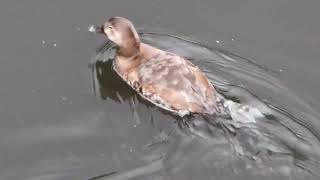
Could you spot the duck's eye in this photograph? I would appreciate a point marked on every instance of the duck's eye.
(110, 27)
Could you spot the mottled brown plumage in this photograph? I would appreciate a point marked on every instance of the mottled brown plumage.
(163, 78)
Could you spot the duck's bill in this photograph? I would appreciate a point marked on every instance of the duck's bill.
(97, 29)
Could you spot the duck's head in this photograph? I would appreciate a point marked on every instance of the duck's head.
(121, 31)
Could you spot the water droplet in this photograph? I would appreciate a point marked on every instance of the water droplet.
(217, 42)
(55, 45)
(63, 98)
(92, 29)
(43, 42)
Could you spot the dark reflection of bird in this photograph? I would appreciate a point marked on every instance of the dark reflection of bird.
(110, 84)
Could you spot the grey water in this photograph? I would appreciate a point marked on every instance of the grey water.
(55, 125)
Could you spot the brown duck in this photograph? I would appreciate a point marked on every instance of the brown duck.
(163, 78)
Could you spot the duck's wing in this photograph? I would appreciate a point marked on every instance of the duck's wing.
(176, 83)
(207, 90)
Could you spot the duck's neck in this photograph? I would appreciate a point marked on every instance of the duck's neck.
(126, 60)
(130, 49)
(127, 57)
(131, 44)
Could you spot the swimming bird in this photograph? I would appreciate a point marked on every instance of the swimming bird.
(164, 78)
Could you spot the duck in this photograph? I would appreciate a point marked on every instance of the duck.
(163, 78)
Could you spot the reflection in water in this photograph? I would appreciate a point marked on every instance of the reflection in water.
(258, 136)
(110, 84)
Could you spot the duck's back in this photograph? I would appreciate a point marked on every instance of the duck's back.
(175, 83)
